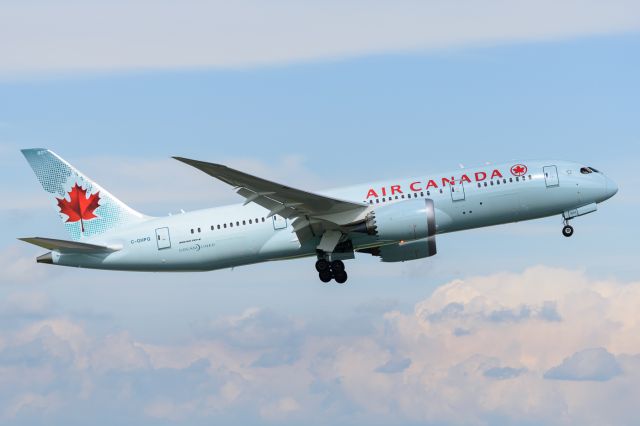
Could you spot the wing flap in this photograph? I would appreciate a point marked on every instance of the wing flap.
(67, 246)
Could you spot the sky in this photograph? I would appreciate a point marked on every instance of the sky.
(506, 325)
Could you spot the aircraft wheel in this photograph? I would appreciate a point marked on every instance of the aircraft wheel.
(567, 231)
(337, 266)
(322, 265)
(341, 277)
(326, 276)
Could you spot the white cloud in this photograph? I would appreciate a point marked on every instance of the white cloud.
(505, 348)
(40, 36)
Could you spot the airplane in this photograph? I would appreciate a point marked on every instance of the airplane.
(395, 220)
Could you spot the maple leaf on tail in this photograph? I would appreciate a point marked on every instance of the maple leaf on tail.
(79, 207)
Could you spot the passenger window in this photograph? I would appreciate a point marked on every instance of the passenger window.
(199, 230)
(384, 200)
(491, 183)
(485, 184)
(218, 226)
(238, 223)
(377, 201)
(529, 177)
(504, 181)
(263, 219)
(479, 185)
(250, 222)
(498, 182)
(428, 193)
(517, 179)
(422, 194)
(510, 180)
(225, 226)
(231, 225)
(244, 222)
(441, 190)
(192, 231)
(396, 197)
(212, 227)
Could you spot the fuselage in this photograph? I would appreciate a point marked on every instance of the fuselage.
(235, 235)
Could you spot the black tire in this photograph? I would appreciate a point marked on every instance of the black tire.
(341, 277)
(322, 265)
(567, 231)
(337, 266)
(326, 276)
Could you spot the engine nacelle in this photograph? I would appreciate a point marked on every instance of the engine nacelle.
(404, 221)
(408, 251)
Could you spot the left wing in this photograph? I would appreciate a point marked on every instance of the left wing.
(284, 200)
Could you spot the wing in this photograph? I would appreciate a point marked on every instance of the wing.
(281, 199)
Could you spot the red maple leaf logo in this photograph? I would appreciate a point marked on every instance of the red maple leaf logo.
(519, 170)
(79, 207)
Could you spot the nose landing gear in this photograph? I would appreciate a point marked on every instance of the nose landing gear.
(328, 271)
(567, 230)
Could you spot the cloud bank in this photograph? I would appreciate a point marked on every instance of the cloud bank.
(73, 35)
(543, 346)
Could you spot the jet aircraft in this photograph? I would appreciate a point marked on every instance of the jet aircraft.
(396, 220)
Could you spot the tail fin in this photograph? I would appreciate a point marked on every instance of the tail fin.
(86, 209)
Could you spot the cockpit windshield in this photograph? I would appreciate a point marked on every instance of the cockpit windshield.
(588, 170)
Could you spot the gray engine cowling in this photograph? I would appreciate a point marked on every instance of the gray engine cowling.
(404, 221)
(408, 251)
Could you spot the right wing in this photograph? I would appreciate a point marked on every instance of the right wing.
(281, 199)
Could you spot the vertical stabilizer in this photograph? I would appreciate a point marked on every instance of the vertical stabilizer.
(85, 208)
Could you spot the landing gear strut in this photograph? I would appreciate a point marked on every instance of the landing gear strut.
(328, 271)
(567, 230)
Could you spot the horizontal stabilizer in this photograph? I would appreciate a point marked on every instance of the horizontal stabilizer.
(67, 246)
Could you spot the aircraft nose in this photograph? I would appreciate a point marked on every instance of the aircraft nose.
(611, 188)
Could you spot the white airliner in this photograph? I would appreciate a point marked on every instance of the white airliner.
(395, 220)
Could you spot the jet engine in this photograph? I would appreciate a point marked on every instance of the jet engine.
(412, 223)
(404, 221)
(412, 250)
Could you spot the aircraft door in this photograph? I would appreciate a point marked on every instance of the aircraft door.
(551, 176)
(457, 191)
(163, 239)
(279, 222)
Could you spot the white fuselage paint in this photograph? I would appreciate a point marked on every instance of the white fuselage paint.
(169, 244)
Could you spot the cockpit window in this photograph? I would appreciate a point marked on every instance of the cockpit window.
(593, 170)
(585, 170)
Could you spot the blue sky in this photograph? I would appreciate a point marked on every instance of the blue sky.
(414, 343)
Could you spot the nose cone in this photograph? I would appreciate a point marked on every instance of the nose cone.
(611, 188)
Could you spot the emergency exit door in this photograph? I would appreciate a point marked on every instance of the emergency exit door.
(279, 222)
(457, 191)
(162, 238)
(551, 176)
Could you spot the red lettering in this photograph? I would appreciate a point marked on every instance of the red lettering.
(414, 188)
(465, 178)
(432, 183)
(395, 189)
(451, 181)
(384, 192)
(480, 176)
(496, 173)
(372, 193)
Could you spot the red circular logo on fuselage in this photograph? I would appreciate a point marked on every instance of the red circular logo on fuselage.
(519, 170)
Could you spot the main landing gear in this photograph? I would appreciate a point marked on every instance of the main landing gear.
(331, 270)
(567, 230)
